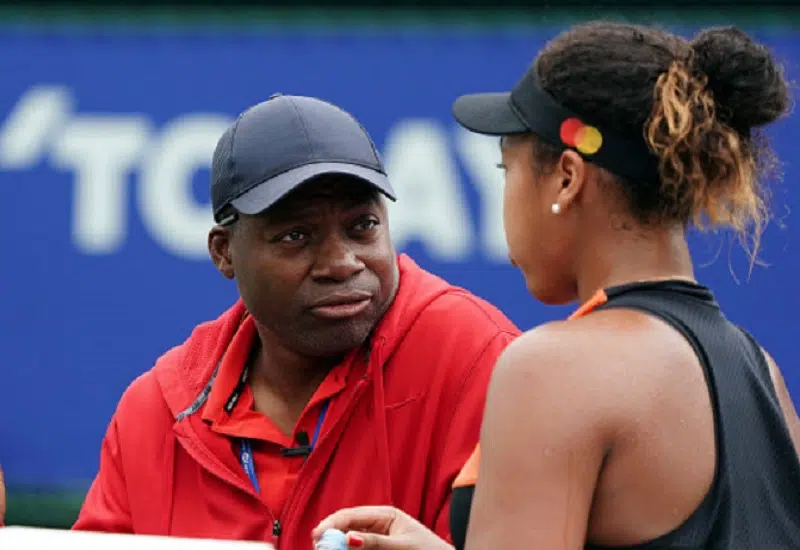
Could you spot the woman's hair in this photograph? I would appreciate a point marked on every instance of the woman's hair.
(697, 104)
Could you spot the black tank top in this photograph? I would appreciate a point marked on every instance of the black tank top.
(754, 500)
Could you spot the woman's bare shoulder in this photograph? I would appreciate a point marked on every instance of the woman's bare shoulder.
(610, 359)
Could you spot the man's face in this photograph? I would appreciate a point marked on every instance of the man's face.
(317, 270)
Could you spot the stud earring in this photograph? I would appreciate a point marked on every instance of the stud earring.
(556, 208)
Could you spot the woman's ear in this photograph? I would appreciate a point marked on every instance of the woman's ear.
(570, 172)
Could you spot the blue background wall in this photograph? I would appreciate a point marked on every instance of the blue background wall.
(104, 145)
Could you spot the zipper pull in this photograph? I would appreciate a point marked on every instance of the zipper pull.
(276, 528)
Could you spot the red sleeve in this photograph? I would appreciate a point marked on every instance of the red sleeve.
(459, 436)
(2, 498)
(106, 506)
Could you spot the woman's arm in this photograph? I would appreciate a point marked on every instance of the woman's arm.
(544, 438)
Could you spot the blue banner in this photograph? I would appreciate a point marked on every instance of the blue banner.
(105, 142)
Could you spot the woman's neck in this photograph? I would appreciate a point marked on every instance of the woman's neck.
(621, 257)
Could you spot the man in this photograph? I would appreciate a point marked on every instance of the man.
(345, 375)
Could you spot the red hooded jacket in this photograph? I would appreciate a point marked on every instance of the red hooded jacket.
(398, 434)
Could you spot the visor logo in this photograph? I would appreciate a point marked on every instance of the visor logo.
(586, 139)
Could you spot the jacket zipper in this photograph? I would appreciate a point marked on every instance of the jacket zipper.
(303, 481)
(205, 459)
(201, 457)
(310, 467)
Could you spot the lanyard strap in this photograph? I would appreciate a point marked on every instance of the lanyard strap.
(246, 449)
(246, 456)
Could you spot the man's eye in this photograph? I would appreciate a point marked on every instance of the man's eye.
(292, 236)
(366, 225)
(501, 166)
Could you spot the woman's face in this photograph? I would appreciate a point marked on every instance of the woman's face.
(539, 240)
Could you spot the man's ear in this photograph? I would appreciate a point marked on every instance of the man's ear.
(219, 248)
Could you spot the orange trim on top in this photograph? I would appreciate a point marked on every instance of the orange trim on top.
(598, 299)
(468, 475)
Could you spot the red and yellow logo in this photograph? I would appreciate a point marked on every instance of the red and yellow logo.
(586, 139)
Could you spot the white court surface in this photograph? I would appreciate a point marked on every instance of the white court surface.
(28, 538)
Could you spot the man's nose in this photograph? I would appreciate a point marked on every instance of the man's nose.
(336, 260)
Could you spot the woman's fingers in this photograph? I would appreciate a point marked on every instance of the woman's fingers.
(369, 519)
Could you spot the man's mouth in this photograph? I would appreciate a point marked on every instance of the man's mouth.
(342, 306)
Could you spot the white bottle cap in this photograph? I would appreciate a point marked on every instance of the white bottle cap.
(333, 538)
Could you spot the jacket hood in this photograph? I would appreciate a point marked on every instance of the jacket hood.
(185, 373)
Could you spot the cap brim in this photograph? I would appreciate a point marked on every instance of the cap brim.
(489, 114)
(269, 192)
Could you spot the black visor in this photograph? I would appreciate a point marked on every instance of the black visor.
(529, 109)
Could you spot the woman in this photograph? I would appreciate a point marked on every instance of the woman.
(646, 420)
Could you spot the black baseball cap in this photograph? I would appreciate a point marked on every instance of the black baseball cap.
(283, 142)
(527, 108)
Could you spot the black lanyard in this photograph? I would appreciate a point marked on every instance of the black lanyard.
(245, 447)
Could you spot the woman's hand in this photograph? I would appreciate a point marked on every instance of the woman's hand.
(381, 528)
